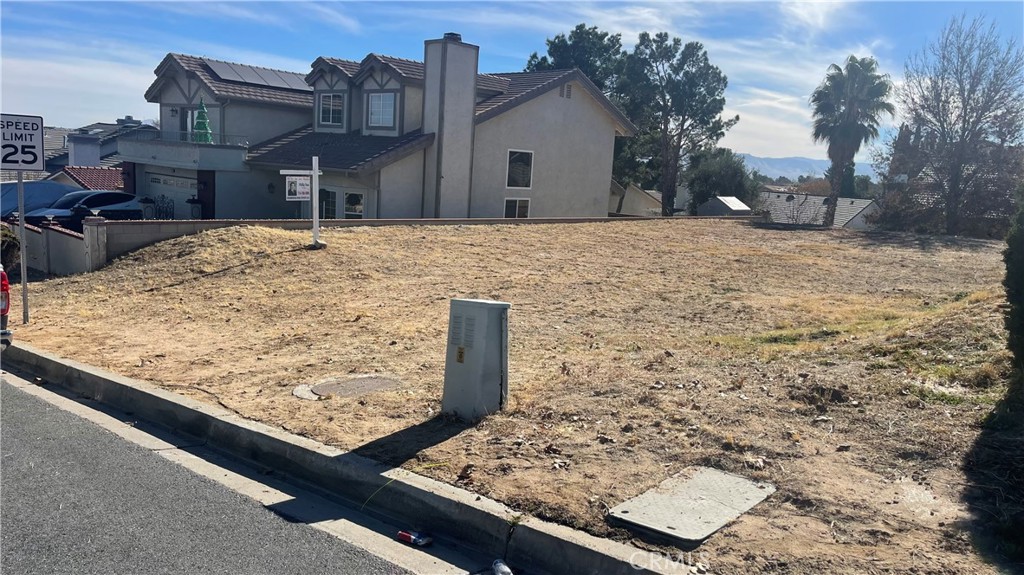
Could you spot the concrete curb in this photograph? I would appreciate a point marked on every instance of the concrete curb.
(421, 502)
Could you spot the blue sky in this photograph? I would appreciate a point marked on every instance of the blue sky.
(80, 62)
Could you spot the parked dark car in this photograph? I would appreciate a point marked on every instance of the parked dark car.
(70, 210)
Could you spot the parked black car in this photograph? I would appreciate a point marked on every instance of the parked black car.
(69, 211)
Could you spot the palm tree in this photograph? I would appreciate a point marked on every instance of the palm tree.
(847, 108)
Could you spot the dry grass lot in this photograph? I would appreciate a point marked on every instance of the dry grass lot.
(850, 369)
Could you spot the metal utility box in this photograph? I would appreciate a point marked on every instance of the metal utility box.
(476, 364)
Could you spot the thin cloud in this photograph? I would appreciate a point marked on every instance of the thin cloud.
(231, 11)
(812, 16)
(330, 16)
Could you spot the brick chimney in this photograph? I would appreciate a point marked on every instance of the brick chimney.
(449, 100)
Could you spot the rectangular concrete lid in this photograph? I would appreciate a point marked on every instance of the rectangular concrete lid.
(481, 302)
(692, 505)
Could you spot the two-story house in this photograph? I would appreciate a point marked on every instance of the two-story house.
(245, 105)
(395, 138)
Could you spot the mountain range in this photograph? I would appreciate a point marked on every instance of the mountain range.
(795, 167)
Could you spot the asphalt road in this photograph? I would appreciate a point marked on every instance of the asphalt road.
(77, 499)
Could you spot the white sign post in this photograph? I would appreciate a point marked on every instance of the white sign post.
(314, 187)
(21, 149)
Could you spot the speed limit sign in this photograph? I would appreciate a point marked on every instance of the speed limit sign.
(22, 144)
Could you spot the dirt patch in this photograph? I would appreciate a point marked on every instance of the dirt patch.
(843, 367)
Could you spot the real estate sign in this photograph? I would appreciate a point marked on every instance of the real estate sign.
(22, 143)
(297, 188)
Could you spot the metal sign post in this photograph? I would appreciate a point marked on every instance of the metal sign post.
(22, 242)
(314, 175)
(22, 150)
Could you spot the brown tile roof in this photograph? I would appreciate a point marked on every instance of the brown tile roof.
(410, 70)
(350, 67)
(520, 85)
(343, 152)
(236, 90)
(525, 86)
(95, 177)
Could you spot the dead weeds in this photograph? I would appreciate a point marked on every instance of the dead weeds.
(852, 370)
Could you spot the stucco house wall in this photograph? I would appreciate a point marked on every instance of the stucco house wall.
(412, 98)
(181, 94)
(257, 123)
(245, 195)
(401, 188)
(566, 180)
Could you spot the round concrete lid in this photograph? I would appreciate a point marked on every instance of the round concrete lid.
(354, 386)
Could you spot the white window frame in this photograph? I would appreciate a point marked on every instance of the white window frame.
(320, 109)
(517, 200)
(369, 110)
(508, 167)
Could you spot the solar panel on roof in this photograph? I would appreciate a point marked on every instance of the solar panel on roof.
(249, 75)
(223, 70)
(270, 77)
(296, 81)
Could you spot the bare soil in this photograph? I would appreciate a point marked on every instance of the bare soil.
(852, 370)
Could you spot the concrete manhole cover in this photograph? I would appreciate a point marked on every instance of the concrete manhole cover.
(346, 387)
(692, 505)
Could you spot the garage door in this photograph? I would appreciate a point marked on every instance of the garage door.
(169, 194)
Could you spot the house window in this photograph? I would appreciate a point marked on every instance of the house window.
(517, 208)
(382, 110)
(328, 204)
(353, 206)
(187, 122)
(332, 109)
(520, 169)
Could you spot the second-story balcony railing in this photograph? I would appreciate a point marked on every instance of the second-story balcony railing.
(190, 138)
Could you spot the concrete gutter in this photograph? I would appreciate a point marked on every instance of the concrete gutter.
(420, 502)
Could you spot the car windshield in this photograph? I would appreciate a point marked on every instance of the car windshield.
(70, 200)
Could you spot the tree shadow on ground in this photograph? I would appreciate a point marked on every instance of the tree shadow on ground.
(994, 492)
(403, 445)
(887, 239)
(920, 242)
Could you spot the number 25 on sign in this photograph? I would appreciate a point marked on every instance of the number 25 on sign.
(21, 143)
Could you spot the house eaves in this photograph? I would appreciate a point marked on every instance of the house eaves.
(525, 86)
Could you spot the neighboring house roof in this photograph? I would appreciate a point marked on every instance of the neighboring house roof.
(793, 208)
(54, 141)
(106, 131)
(342, 152)
(12, 176)
(733, 203)
(849, 208)
(229, 80)
(95, 177)
(56, 149)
